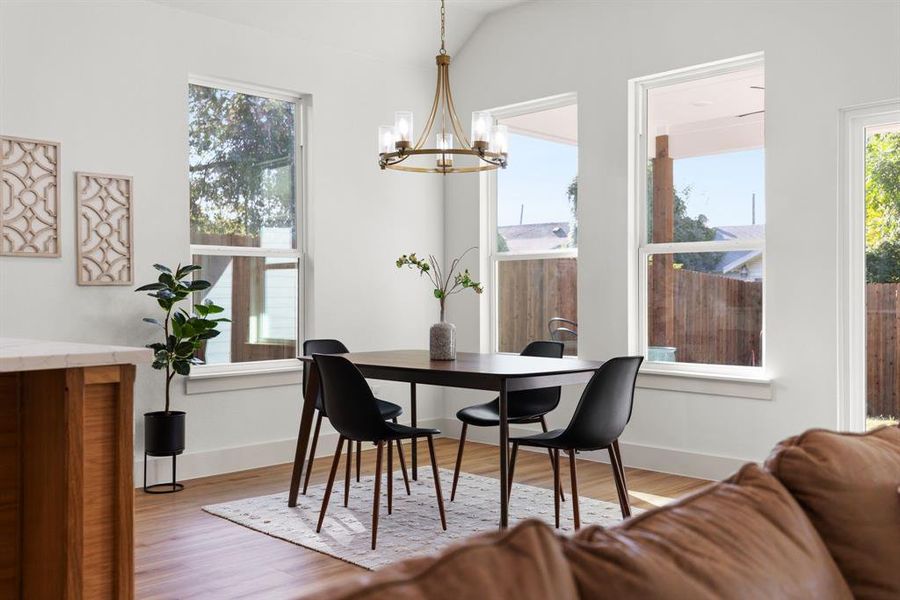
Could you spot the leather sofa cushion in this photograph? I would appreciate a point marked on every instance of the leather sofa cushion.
(741, 538)
(848, 485)
(525, 562)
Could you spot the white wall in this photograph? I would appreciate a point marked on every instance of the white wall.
(108, 80)
(820, 56)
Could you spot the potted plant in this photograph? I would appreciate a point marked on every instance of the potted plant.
(183, 334)
(442, 337)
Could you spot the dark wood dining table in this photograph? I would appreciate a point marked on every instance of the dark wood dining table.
(502, 373)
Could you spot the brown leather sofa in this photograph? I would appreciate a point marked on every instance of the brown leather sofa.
(820, 520)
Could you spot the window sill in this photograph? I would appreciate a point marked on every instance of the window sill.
(241, 377)
(712, 384)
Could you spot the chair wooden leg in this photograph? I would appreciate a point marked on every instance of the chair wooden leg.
(312, 453)
(358, 459)
(377, 500)
(562, 496)
(459, 454)
(330, 484)
(347, 472)
(556, 484)
(572, 472)
(512, 466)
(618, 469)
(437, 483)
(402, 463)
(390, 475)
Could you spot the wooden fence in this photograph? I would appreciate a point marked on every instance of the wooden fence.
(718, 320)
(883, 349)
(531, 293)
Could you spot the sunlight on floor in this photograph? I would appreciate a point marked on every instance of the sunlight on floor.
(651, 498)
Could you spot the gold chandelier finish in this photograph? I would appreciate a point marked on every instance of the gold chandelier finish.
(443, 112)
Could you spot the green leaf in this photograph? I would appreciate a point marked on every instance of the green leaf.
(438, 294)
(152, 321)
(206, 335)
(185, 270)
(157, 346)
(182, 367)
(184, 349)
(213, 308)
(151, 287)
(201, 309)
(162, 268)
(198, 284)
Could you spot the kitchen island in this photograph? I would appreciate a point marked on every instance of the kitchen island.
(66, 469)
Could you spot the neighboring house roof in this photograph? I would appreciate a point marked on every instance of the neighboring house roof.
(535, 236)
(732, 261)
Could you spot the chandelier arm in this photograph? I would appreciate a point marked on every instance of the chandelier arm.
(434, 108)
(454, 118)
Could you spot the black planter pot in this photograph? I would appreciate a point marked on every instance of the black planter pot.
(163, 436)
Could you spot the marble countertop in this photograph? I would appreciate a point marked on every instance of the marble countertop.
(17, 354)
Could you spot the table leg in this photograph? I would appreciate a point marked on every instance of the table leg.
(306, 420)
(504, 458)
(412, 422)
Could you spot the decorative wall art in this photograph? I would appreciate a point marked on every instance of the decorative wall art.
(105, 246)
(29, 198)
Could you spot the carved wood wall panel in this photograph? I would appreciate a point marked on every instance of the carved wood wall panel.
(29, 198)
(105, 229)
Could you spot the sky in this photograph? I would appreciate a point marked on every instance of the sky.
(722, 186)
(540, 171)
(538, 176)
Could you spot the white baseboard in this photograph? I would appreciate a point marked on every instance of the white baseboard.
(639, 456)
(204, 463)
(192, 465)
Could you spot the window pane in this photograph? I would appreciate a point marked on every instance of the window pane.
(537, 194)
(242, 169)
(882, 275)
(537, 300)
(706, 151)
(704, 308)
(259, 295)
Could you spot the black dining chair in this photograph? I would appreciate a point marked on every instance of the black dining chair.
(600, 418)
(528, 406)
(356, 415)
(389, 411)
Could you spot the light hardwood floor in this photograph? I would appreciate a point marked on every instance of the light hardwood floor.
(182, 552)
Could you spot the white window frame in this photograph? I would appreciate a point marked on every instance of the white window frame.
(489, 189)
(852, 252)
(640, 248)
(299, 253)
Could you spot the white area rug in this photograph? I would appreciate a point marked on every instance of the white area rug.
(414, 528)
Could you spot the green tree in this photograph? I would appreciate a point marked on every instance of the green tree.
(883, 208)
(242, 173)
(572, 195)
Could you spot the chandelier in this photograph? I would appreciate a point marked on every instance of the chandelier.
(489, 142)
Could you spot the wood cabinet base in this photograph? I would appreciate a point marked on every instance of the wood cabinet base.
(66, 490)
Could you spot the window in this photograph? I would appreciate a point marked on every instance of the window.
(535, 228)
(245, 189)
(699, 190)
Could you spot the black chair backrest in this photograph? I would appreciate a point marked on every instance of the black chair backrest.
(605, 405)
(349, 402)
(311, 347)
(546, 399)
(324, 346)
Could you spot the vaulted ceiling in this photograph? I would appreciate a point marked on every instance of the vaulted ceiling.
(406, 31)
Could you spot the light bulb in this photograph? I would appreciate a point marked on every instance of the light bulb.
(500, 139)
(481, 126)
(403, 126)
(385, 139)
(444, 141)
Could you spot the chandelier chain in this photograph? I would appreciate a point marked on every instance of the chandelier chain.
(443, 16)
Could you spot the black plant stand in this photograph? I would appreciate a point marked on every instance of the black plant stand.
(162, 488)
(163, 436)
